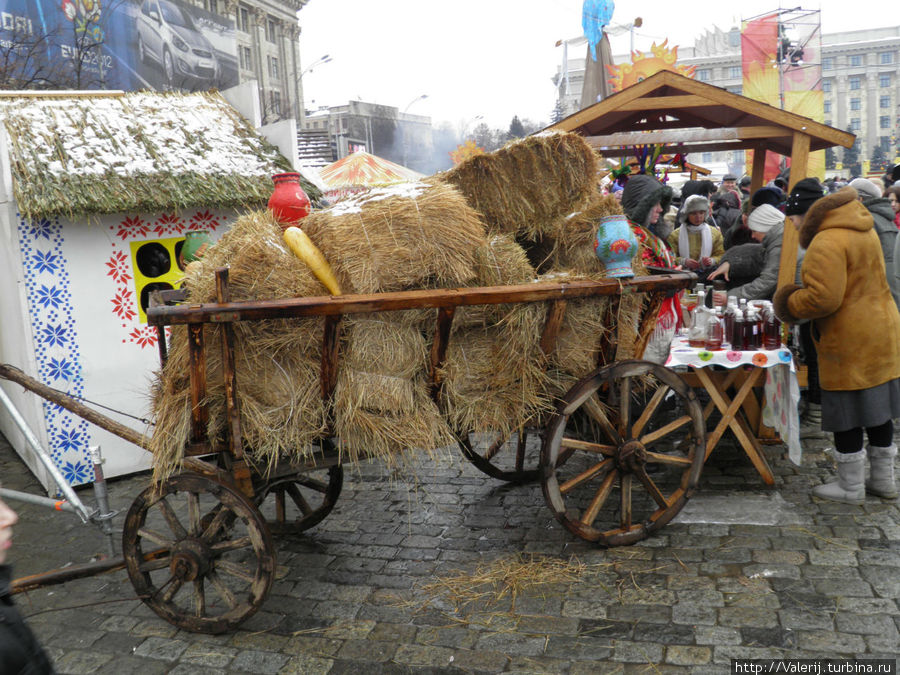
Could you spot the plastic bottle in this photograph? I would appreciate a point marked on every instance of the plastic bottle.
(697, 332)
(715, 330)
(737, 331)
(771, 329)
(751, 330)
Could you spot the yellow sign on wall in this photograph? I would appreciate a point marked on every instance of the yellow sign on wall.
(155, 267)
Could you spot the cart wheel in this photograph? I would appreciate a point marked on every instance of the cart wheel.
(198, 553)
(607, 430)
(511, 459)
(300, 501)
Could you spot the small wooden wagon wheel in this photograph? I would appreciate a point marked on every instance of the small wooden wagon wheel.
(609, 430)
(301, 500)
(509, 458)
(198, 553)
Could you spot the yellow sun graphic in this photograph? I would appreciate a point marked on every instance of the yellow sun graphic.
(643, 66)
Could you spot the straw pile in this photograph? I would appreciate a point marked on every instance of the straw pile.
(410, 235)
(277, 361)
(527, 186)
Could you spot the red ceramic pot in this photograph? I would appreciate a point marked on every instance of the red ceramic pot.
(288, 203)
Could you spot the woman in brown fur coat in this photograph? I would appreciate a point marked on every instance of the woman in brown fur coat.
(856, 328)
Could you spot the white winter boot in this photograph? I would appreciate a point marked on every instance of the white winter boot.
(850, 485)
(881, 472)
(811, 422)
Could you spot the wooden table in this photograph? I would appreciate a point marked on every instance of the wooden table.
(734, 389)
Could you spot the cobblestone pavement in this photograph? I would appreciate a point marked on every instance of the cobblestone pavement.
(744, 572)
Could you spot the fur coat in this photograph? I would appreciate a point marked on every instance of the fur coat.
(856, 325)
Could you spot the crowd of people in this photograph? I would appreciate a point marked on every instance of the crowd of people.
(845, 300)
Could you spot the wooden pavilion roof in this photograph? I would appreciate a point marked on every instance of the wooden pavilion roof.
(691, 116)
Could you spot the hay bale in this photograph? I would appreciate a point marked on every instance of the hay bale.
(529, 184)
(411, 235)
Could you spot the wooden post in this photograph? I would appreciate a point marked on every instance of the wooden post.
(799, 163)
(759, 167)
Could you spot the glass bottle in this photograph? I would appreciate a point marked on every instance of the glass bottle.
(715, 330)
(697, 331)
(737, 330)
(772, 329)
(751, 330)
(728, 316)
(719, 294)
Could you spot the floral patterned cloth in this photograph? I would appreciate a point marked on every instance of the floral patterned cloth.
(782, 392)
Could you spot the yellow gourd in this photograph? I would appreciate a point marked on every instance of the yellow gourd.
(303, 247)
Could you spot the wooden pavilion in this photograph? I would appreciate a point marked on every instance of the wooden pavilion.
(689, 116)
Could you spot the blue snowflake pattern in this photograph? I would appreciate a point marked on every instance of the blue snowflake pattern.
(75, 472)
(68, 439)
(42, 228)
(60, 369)
(54, 335)
(45, 262)
(50, 296)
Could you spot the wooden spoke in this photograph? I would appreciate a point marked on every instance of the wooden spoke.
(171, 519)
(658, 397)
(156, 537)
(193, 500)
(625, 487)
(668, 459)
(312, 483)
(494, 448)
(652, 488)
(298, 498)
(234, 545)
(223, 518)
(624, 406)
(595, 470)
(595, 411)
(199, 598)
(590, 514)
(156, 564)
(221, 589)
(575, 444)
(173, 588)
(520, 450)
(665, 430)
(294, 503)
(235, 570)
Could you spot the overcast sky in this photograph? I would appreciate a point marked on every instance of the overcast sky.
(496, 58)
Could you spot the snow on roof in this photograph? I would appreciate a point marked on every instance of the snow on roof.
(145, 151)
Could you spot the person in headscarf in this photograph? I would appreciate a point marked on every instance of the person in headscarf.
(697, 246)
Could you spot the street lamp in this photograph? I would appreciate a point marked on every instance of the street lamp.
(420, 97)
(322, 59)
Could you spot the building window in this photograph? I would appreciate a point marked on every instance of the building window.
(826, 86)
(707, 157)
(884, 80)
(855, 104)
(887, 58)
(884, 122)
(854, 124)
(704, 74)
(828, 63)
(885, 144)
(854, 82)
(245, 55)
(735, 90)
(855, 60)
(276, 102)
(272, 29)
(211, 6)
(828, 106)
(736, 71)
(243, 18)
(273, 67)
(884, 101)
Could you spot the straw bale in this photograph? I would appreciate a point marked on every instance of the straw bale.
(494, 378)
(411, 235)
(387, 343)
(526, 186)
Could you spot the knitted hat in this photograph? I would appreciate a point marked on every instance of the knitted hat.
(866, 188)
(641, 194)
(767, 195)
(696, 203)
(764, 217)
(803, 195)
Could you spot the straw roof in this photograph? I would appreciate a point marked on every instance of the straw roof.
(76, 154)
(362, 169)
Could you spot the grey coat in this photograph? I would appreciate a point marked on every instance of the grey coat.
(764, 285)
(883, 215)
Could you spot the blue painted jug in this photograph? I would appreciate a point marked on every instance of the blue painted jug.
(616, 245)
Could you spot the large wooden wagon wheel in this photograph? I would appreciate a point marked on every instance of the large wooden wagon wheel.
(515, 458)
(198, 553)
(294, 503)
(623, 453)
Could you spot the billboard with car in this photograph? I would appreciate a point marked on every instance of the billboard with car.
(115, 44)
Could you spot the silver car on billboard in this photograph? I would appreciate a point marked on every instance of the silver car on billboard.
(168, 35)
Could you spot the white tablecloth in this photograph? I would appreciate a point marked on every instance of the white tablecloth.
(782, 393)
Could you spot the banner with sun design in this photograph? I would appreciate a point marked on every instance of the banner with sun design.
(781, 62)
(642, 66)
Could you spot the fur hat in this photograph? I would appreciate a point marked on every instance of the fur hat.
(696, 203)
(804, 194)
(866, 188)
(764, 217)
(767, 195)
(641, 194)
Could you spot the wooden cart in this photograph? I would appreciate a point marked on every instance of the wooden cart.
(617, 461)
